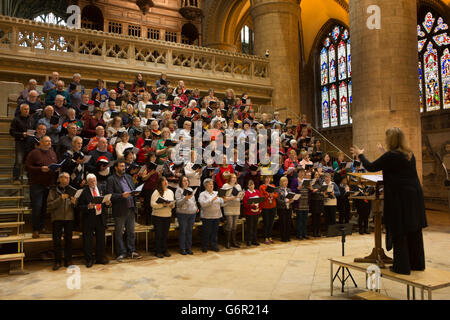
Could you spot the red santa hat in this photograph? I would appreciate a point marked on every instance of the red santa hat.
(102, 159)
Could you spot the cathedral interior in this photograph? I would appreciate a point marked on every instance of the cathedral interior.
(331, 60)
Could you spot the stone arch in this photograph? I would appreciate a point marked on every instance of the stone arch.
(223, 20)
(437, 5)
(92, 16)
(323, 32)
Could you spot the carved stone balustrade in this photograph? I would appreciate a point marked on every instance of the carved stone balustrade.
(33, 48)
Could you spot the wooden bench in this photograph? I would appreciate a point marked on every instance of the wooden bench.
(12, 257)
(15, 210)
(429, 280)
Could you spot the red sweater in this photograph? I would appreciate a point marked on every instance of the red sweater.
(90, 125)
(37, 159)
(142, 154)
(251, 209)
(266, 204)
(219, 177)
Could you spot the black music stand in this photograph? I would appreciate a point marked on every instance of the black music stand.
(342, 230)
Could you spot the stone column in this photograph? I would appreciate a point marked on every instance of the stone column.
(276, 28)
(385, 75)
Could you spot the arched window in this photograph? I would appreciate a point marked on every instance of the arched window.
(434, 61)
(247, 40)
(50, 18)
(335, 78)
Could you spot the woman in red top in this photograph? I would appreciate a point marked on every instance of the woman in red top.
(179, 91)
(150, 178)
(251, 212)
(269, 208)
(291, 162)
(144, 149)
(224, 173)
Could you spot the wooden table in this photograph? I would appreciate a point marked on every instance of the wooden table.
(429, 280)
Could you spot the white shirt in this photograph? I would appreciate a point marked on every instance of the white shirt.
(97, 212)
(120, 147)
(192, 175)
(210, 209)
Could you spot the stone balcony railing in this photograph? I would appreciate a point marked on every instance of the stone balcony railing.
(28, 41)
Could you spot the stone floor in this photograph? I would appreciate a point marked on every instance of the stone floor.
(294, 270)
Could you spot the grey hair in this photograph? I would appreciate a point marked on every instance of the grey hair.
(90, 176)
(32, 80)
(206, 182)
(58, 95)
(76, 138)
(76, 75)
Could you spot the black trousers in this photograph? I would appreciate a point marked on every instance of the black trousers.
(268, 217)
(147, 206)
(162, 227)
(363, 217)
(93, 225)
(330, 214)
(408, 252)
(252, 228)
(316, 211)
(58, 227)
(344, 210)
(284, 216)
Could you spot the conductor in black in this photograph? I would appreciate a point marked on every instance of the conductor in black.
(404, 206)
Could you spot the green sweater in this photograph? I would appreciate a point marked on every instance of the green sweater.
(50, 99)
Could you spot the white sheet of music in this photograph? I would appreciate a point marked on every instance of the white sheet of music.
(373, 178)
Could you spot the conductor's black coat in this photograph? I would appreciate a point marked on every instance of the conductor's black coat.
(404, 206)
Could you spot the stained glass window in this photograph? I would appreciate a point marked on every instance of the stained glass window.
(420, 87)
(325, 108)
(332, 63)
(434, 63)
(335, 77)
(334, 106)
(342, 59)
(350, 96)
(324, 66)
(344, 103)
(445, 67)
